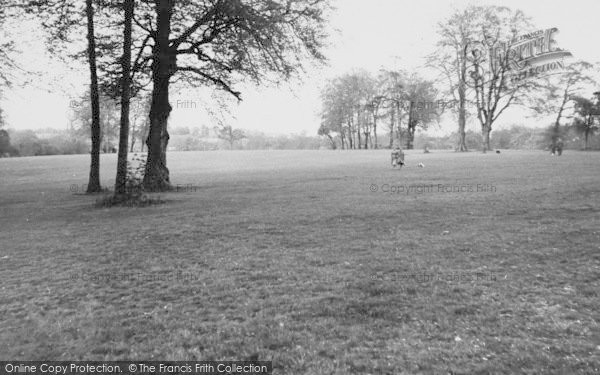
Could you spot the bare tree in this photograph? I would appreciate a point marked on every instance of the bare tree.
(492, 63)
(230, 135)
(392, 84)
(375, 107)
(456, 38)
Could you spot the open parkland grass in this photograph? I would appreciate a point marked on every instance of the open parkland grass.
(308, 259)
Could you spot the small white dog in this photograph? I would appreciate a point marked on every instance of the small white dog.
(421, 165)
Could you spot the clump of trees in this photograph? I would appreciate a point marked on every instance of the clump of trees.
(355, 105)
(47, 142)
(230, 135)
(209, 139)
(165, 43)
(475, 62)
(138, 52)
(6, 149)
(218, 44)
(562, 97)
(476, 65)
(108, 136)
(587, 112)
(480, 71)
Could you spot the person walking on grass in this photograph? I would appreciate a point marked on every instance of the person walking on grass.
(397, 157)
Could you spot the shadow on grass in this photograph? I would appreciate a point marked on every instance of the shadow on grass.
(129, 199)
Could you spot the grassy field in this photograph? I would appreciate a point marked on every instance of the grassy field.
(324, 262)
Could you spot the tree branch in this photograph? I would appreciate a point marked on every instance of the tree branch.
(217, 81)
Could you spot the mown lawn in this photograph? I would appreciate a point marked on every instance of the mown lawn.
(293, 257)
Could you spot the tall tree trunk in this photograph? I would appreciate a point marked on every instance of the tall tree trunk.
(462, 112)
(410, 138)
(156, 176)
(358, 123)
(350, 136)
(94, 178)
(375, 131)
(342, 136)
(121, 179)
(556, 130)
(462, 135)
(393, 119)
(399, 126)
(462, 143)
(486, 130)
(587, 134)
(367, 129)
(410, 133)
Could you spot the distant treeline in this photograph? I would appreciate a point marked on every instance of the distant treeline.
(517, 137)
(63, 142)
(41, 142)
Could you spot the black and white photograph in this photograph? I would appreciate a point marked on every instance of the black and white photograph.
(319, 187)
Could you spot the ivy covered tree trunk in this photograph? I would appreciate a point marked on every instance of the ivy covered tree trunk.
(156, 177)
(94, 178)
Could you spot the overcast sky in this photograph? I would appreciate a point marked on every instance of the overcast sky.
(370, 34)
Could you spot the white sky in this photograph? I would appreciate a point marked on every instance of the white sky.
(371, 34)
